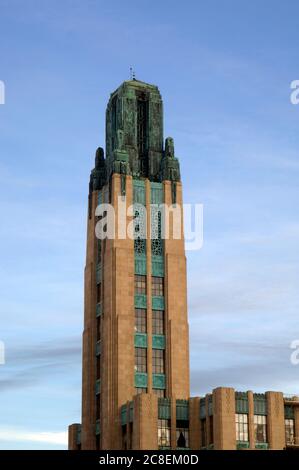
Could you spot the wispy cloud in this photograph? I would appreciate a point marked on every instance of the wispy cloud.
(256, 376)
(22, 435)
(29, 365)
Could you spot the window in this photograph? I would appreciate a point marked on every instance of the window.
(290, 431)
(160, 392)
(98, 367)
(98, 328)
(142, 133)
(142, 125)
(139, 390)
(182, 433)
(260, 428)
(103, 226)
(157, 285)
(203, 432)
(164, 432)
(124, 436)
(114, 121)
(98, 293)
(158, 322)
(158, 361)
(140, 360)
(140, 231)
(140, 284)
(140, 320)
(242, 427)
(99, 248)
(156, 229)
(98, 407)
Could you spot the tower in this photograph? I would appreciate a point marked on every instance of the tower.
(135, 339)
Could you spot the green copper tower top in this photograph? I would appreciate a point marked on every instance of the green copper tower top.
(134, 137)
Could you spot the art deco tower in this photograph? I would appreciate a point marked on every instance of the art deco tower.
(135, 339)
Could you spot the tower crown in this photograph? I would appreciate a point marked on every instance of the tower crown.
(134, 130)
(134, 135)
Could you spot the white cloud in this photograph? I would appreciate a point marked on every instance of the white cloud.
(51, 437)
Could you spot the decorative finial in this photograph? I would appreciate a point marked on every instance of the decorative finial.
(132, 74)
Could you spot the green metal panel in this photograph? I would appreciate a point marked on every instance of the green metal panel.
(99, 309)
(123, 415)
(182, 410)
(158, 303)
(158, 266)
(243, 445)
(261, 445)
(141, 379)
(98, 427)
(139, 191)
(140, 300)
(202, 408)
(289, 412)
(98, 386)
(98, 348)
(100, 197)
(159, 341)
(164, 409)
(159, 381)
(123, 143)
(140, 340)
(98, 273)
(241, 402)
(157, 193)
(140, 264)
(260, 404)
(131, 412)
(122, 116)
(106, 194)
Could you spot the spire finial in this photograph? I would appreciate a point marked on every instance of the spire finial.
(132, 74)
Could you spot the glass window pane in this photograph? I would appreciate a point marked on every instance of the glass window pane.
(140, 284)
(241, 427)
(140, 320)
(157, 286)
(158, 322)
(140, 359)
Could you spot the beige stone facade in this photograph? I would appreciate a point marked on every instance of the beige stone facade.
(101, 408)
(148, 422)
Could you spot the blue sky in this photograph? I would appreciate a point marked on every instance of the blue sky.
(224, 69)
